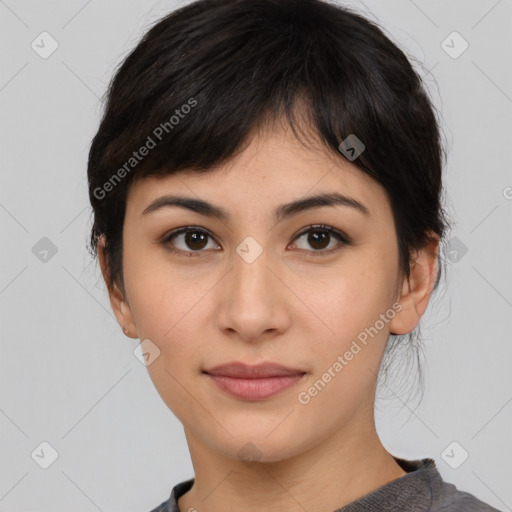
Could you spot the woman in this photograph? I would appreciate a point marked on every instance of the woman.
(266, 184)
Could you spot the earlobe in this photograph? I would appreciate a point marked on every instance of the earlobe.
(417, 289)
(118, 303)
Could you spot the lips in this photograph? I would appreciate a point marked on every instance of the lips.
(258, 382)
(260, 371)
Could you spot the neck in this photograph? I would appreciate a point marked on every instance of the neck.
(342, 468)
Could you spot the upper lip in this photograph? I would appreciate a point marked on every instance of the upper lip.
(242, 370)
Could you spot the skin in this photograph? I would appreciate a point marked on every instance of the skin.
(287, 306)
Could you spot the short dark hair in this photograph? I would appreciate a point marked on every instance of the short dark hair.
(207, 75)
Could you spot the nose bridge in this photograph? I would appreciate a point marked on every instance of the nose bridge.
(252, 300)
(251, 274)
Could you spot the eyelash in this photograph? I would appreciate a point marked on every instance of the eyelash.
(340, 236)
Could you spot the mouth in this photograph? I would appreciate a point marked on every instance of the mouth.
(246, 371)
(256, 382)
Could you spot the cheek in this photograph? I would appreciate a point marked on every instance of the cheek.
(348, 319)
(153, 290)
(345, 302)
(169, 309)
(347, 357)
(166, 311)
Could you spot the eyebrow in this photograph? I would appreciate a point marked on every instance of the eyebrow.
(282, 212)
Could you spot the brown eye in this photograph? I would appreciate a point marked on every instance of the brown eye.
(320, 237)
(317, 239)
(187, 240)
(195, 240)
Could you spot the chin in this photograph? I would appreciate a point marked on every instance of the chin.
(258, 448)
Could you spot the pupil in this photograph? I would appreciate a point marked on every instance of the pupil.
(193, 237)
(314, 239)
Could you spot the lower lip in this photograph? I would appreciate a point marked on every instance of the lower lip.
(255, 389)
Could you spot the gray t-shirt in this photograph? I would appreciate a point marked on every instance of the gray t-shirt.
(421, 489)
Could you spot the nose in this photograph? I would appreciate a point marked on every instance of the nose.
(253, 299)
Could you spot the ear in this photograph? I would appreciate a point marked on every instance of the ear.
(417, 289)
(118, 301)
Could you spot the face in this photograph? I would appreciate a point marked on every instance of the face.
(264, 283)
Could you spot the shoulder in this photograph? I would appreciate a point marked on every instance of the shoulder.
(453, 500)
(424, 488)
(163, 507)
(171, 504)
(447, 498)
(462, 502)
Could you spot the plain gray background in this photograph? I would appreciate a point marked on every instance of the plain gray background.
(68, 375)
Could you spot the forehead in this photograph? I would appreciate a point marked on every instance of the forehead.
(272, 169)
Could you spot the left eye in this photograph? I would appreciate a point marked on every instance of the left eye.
(319, 237)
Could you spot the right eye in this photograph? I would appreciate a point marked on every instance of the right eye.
(192, 241)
